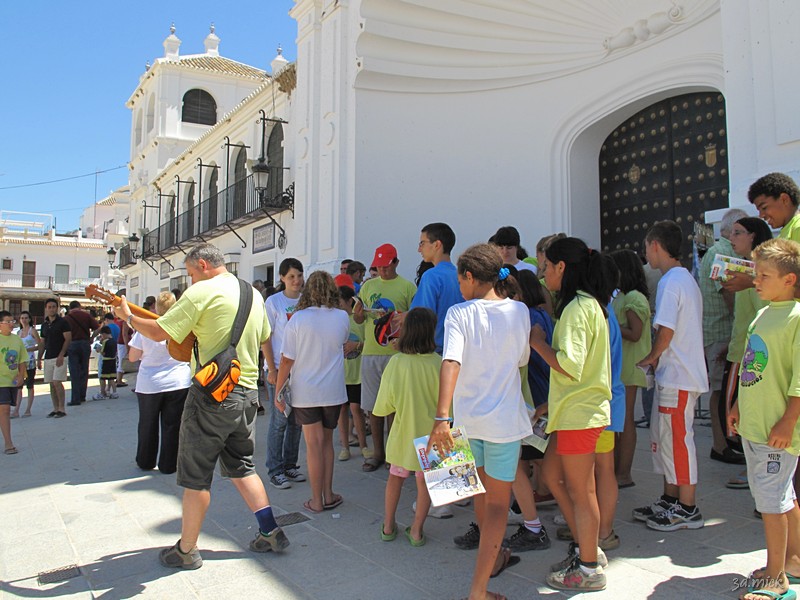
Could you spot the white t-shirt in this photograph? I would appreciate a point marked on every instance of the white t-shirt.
(489, 338)
(523, 266)
(679, 306)
(280, 309)
(158, 371)
(313, 339)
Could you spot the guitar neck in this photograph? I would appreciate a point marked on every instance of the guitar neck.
(141, 312)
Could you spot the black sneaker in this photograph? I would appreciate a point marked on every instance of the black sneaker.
(524, 539)
(280, 481)
(470, 540)
(645, 512)
(676, 518)
(294, 474)
(173, 557)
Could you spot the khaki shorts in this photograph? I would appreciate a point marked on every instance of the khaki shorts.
(716, 368)
(52, 372)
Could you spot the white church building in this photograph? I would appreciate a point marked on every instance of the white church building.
(595, 118)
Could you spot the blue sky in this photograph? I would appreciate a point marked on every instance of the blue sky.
(70, 67)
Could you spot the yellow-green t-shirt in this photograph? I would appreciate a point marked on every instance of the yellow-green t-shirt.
(12, 355)
(791, 231)
(410, 389)
(633, 352)
(352, 366)
(770, 372)
(745, 306)
(208, 309)
(582, 346)
(383, 295)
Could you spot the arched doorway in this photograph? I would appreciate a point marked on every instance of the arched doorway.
(668, 161)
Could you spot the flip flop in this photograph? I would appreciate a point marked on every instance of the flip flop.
(412, 541)
(371, 464)
(389, 537)
(509, 560)
(12, 416)
(307, 506)
(336, 502)
(769, 595)
(26, 415)
(11, 450)
(793, 579)
(622, 486)
(739, 482)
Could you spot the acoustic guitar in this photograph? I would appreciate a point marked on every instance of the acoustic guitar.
(179, 351)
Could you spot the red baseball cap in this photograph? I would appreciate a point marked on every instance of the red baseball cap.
(384, 256)
(343, 280)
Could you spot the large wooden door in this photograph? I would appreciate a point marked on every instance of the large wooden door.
(669, 161)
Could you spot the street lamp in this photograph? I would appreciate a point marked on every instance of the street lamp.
(261, 176)
(133, 240)
(112, 254)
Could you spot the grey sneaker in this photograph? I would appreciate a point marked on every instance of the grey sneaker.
(275, 541)
(645, 512)
(436, 512)
(280, 481)
(174, 558)
(524, 539)
(294, 474)
(470, 540)
(676, 518)
(572, 556)
(573, 578)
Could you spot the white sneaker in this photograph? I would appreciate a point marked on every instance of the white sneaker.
(437, 512)
(559, 520)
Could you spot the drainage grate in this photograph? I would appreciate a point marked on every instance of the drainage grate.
(59, 574)
(291, 519)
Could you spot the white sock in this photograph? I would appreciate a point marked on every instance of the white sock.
(534, 526)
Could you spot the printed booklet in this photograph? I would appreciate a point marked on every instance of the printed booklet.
(538, 439)
(724, 263)
(451, 477)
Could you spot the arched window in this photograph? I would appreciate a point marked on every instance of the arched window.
(212, 200)
(171, 219)
(240, 184)
(151, 113)
(190, 227)
(275, 160)
(199, 107)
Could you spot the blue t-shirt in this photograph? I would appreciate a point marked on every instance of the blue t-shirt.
(114, 331)
(438, 290)
(538, 369)
(617, 387)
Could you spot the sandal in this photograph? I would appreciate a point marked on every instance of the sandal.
(415, 543)
(738, 482)
(26, 415)
(770, 595)
(308, 507)
(11, 450)
(508, 560)
(337, 500)
(371, 464)
(389, 537)
(759, 574)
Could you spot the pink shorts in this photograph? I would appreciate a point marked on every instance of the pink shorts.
(401, 472)
(577, 441)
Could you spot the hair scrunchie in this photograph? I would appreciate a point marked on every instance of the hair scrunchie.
(503, 273)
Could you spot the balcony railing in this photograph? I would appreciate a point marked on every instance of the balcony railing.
(125, 256)
(16, 280)
(236, 202)
(76, 285)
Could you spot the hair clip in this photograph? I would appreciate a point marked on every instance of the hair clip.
(503, 273)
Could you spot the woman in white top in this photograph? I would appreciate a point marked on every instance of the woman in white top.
(312, 353)
(161, 386)
(31, 339)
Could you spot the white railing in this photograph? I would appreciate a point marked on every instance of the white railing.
(76, 285)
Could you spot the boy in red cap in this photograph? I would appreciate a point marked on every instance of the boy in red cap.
(379, 295)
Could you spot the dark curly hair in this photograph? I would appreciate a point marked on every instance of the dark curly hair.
(773, 185)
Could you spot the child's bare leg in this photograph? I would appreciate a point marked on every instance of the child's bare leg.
(492, 516)
(31, 395)
(607, 491)
(579, 478)
(523, 492)
(5, 425)
(394, 486)
(15, 411)
(112, 385)
(358, 424)
(626, 445)
(344, 426)
(423, 505)
(792, 564)
(553, 476)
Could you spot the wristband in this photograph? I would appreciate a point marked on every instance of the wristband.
(448, 419)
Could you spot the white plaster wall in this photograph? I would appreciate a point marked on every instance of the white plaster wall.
(47, 256)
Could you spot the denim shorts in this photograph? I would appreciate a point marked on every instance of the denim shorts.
(212, 431)
(499, 460)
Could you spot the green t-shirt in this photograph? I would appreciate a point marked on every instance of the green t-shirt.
(208, 309)
(582, 346)
(13, 354)
(383, 295)
(410, 389)
(633, 352)
(352, 366)
(770, 372)
(791, 231)
(745, 306)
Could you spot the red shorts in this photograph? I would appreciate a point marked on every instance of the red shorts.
(577, 441)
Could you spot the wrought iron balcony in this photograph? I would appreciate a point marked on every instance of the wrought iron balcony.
(237, 204)
(125, 256)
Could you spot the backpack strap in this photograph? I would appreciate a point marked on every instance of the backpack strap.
(243, 312)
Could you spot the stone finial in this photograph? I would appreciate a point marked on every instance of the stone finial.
(172, 44)
(212, 43)
(279, 62)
